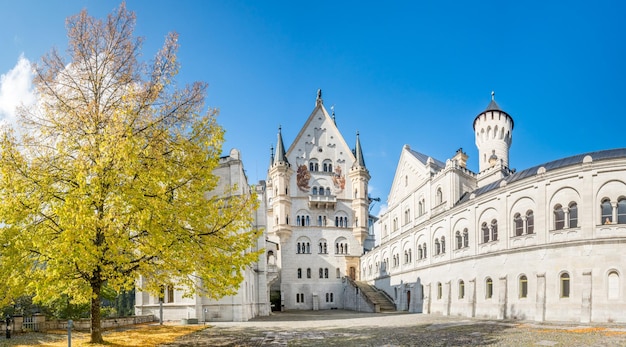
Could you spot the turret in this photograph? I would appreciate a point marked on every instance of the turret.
(493, 129)
(280, 171)
(359, 176)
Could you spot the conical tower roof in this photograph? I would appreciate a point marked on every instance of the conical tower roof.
(358, 152)
(281, 155)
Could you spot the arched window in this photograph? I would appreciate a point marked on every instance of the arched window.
(297, 220)
(321, 190)
(410, 256)
(437, 247)
(439, 290)
(308, 221)
(321, 273)
(420, 208)
(607, 212)
(523, 286)
(299, 273)
(613, 285)
(573, 215)
(424, 247)
(459, 240)
(530, 222)
(443, 244)
(308, 273)
(465, 238)
(559, 217)
(310, 166)
(325, 272)
(494, 230)
(488, 288)
(485, 229)
(519, 224)
(564, 285)
(319, 221)
(439, 196)
(314, 190)
(621, 211)
(420, 255)
(461, 289)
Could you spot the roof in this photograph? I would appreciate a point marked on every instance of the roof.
(493, 106)
(423, 158)
(549, 166)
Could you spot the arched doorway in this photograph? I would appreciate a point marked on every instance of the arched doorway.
(352, 273)
(408, 300)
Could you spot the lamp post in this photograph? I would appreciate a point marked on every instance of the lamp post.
(8, 331)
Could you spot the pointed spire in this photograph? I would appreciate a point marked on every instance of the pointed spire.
(332, 108)
(271, 155)
(358, 153)
(281, 156)
(493, 106)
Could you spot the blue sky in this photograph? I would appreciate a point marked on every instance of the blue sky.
(402, 72)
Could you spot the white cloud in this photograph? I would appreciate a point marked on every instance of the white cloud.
(16, 90)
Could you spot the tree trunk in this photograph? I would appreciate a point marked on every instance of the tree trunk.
(96, 332)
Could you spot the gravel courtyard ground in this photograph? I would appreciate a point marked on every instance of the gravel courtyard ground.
(346, 328)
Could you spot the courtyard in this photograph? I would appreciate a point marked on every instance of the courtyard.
(346, 328)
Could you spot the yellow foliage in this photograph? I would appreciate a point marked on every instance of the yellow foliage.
(106, 179)
(136, 336)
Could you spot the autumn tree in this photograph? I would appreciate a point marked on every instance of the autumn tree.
(106, 178)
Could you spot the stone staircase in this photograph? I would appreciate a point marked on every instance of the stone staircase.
(376, 296)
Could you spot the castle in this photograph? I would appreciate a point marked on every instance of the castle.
(542, 244)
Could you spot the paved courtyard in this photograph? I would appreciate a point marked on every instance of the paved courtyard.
(347, 328)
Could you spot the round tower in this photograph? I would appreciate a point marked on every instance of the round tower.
(493, 129)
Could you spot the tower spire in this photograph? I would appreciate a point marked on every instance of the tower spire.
(281, 156)
(358, 153)
(318, 100)
(271, 155)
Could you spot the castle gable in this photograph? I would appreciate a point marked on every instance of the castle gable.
(413, 169)
(320, 147)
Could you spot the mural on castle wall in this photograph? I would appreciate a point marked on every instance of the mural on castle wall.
(339, 180)
(303, 177)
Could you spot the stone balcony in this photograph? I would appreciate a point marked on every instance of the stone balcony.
(322, 201)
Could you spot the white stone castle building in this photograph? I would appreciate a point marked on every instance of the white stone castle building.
(317, 211)
(252, 298)
(545, 244)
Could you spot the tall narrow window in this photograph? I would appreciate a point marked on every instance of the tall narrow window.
(465, 238)
(437, 247)
(439, 196)
(621, 211)
(494, 230)
(519, 224)
(488, 288)
(565, 285)
(308, 273)
(321, 273)
(613, 285)
(523, 286)
(443, 244)
(607, 212)
(459, 240)
(299, 273)
(530, 222)
(559, 217)
(485, 229)
(573, 215)
(170, 293)
(461, 289)
(424, 246)
(420, 255)
(439, 290)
